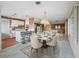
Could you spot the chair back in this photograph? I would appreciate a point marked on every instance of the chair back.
(53, 41)
(35, 42)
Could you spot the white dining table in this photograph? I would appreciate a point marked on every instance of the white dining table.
(45, 37)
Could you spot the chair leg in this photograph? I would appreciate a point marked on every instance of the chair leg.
(42, 49)
(31, 50)
(54, 47)
(37, 52)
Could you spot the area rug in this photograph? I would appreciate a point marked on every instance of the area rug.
(42, 53)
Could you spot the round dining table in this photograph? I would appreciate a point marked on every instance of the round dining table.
(43, 39)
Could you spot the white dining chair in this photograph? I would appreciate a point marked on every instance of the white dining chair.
(53, 41)
(60, 36)
(35, 44)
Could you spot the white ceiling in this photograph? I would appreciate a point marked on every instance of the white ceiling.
(57, 11)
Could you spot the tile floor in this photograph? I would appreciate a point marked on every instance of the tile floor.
(65, 50)
(13, 51)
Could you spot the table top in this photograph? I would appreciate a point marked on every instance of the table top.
(43, 38)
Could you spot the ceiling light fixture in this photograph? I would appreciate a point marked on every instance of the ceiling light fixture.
(38, 2)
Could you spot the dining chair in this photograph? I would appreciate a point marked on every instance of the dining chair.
(35, 44)
(60, 36)
(52, 41)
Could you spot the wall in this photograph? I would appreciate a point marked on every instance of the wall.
(5, 26)
(5, 29)
(66, 27)
(73, 22)
(0, 33)
(0, 29)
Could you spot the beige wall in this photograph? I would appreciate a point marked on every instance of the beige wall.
(0, 34)
(66, 27)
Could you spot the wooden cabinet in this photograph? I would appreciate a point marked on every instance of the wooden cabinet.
(59, 27)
